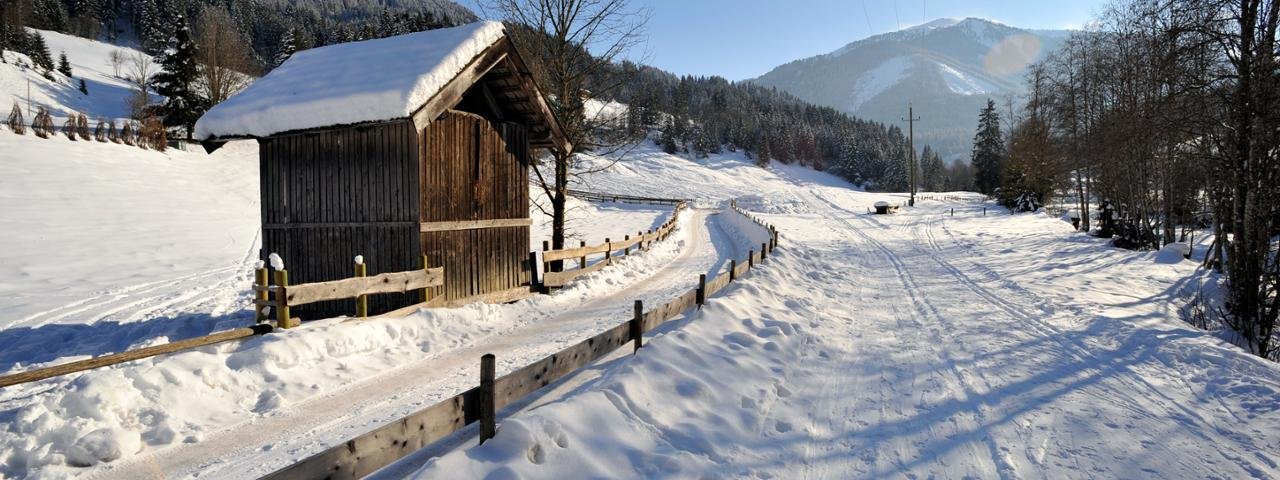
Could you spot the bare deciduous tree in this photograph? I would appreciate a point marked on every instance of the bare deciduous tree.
(570, 45)
(224, 56)
(141, 68)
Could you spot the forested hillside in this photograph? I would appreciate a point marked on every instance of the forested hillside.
(268, 28)
(702, 115)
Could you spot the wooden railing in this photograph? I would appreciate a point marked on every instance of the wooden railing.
(612, 197)
(641, 241)
(371, 451)
(281, 296)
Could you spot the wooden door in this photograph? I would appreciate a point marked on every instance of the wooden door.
(475, 203)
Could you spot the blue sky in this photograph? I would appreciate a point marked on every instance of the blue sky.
(741, 39)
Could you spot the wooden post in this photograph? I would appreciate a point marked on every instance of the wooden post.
(637, 326)
(608, 253)
(764, 249)
(426, 291)
(582, 262)
(533, 270)
(488, 414)
(282, 300)
(260, 279)
(362, 301)
(733, 268)
(751, 259)
(626, 250)
(953, 212)
(701, 296)
(984, 211)
(546, 245)
(641, 246)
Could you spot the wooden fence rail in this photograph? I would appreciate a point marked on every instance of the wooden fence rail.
(643, 240)
(371, 451)
(612, 197)
(282, 295)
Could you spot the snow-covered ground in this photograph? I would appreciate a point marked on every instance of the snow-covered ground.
(916, 344)
(110, 247)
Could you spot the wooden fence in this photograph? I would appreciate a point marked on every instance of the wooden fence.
(281, 295)
(371, 451)
(610, 197)
(641, 241)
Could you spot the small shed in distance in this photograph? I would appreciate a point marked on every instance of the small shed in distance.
(404, 149)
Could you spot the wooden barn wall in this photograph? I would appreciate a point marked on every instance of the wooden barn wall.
(330, 195)
(474, 169)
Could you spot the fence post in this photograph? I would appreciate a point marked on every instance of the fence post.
(362, 300)
(984, 211)
(260, 279)
(426, 291)
(488, 414)
(626, 250)
(282, 298)
(637, 326)
(546, 245)
(751, 259)
(701, 296)
(953, 212)
(733, 269)
(608, 252)
(764, 247)
(582, 262)
(533, 270)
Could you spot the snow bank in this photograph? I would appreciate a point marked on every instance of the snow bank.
(350, 83)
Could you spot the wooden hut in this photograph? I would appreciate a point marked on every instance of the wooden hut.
(407, 150)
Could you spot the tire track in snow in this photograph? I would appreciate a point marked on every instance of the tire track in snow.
(926, 309)
(1082, 355)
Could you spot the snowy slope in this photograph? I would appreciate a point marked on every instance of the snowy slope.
(89, 61)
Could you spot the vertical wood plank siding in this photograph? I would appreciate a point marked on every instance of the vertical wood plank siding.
(329, 195)
(475, 169)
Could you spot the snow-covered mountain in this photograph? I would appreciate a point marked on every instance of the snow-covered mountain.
(947, 68)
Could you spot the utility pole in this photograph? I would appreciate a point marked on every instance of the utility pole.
(911, 147)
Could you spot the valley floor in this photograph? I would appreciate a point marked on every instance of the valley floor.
(912, 345)
(917, 345)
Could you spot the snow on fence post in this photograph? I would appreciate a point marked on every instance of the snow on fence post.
(260, 283)
(362, 300)
(488, 415)
(283, 320)
(637, 326)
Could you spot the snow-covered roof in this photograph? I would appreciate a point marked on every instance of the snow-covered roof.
(350, 83)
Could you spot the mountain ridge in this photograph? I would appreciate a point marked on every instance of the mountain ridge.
(946, 68)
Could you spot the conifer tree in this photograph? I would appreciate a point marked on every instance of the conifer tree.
(288, 46)
(988, 151)
(39, 52)
(182, 105)
(64, 66)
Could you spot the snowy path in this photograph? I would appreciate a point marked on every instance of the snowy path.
(1002, 385)
(261, 445)
(909, 346)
